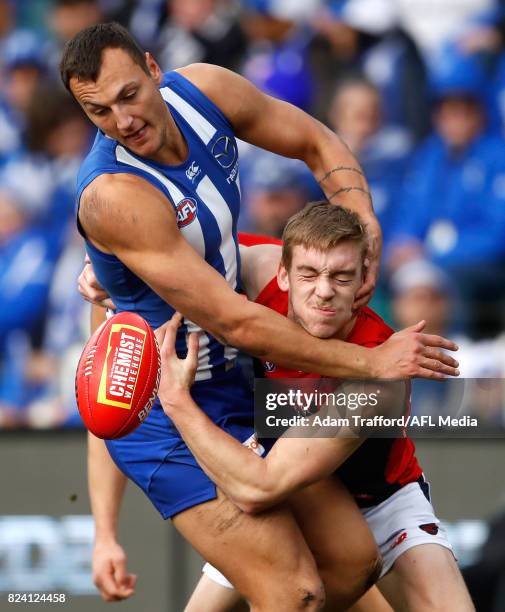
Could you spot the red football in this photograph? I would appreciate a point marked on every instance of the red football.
(118, 375)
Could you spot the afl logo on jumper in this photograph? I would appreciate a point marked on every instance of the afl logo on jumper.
(186, 212)
(224, 152)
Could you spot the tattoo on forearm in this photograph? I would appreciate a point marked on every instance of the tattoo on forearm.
(338, 168)
(348, 189)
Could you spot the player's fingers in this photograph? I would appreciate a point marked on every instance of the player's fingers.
(87, 260)
(176, 319)
(119, 568)
(167, 346)
(430, 374)
(438, 341)
(437, 366)
(366, 289)
(193, 346)
(123, 581)
(160, 334)
(108, 303)
(131, 581)
(90, 278)
(440, 355)
(417, 327)
(107, 586)
(362, 298)
(92, 292)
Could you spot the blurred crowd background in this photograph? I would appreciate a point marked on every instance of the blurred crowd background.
(416, 88)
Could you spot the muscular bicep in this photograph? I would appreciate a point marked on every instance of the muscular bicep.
(128, 217)
(257, 118)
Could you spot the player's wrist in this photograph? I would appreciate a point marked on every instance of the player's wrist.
(175, 399)
(105, 537)
(375, 365)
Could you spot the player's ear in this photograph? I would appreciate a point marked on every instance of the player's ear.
(154, 69)
(282, 277)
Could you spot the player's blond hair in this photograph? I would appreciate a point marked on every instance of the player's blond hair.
(322, 226)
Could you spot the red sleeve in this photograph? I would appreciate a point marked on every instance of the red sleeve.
(252, 239)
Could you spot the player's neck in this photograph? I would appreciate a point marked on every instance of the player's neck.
(346, 329)
(175, 149)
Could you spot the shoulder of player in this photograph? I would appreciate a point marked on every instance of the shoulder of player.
(110, 202)
(207, 77)
(259, 265)
(228, 90)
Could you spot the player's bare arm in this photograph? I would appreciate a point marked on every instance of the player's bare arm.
(251, 482)
(280, 127)
(106, 484)
(147, 240)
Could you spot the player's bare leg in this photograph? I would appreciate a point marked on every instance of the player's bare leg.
(265, 556)
(372, 601)
(338, 536)
(346, 554)
(426, 578)
(214, 597)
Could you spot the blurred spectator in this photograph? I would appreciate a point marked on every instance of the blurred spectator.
(383, 151)
(283, 72)
(52, 368)
(70, 16)
(25, 66)
(411, 35)
(6, 17)
(429, 23)
(201, 31)
(274, 188)
(423, 291)
(145, 19)
(37, 190)
(453, 204)
(278, 58)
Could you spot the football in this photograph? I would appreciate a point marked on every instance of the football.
(117, 376)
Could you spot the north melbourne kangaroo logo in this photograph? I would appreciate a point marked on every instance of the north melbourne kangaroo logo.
(186, 212)
(193, 171)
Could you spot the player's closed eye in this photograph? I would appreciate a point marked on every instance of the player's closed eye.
(343, 281)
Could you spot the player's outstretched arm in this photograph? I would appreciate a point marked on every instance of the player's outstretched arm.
(252, 483)
(125, 215)
(106, 486)
(280, 127)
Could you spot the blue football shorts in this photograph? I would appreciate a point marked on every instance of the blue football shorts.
(156, 458)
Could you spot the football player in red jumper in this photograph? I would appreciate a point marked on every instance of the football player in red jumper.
(314, 283)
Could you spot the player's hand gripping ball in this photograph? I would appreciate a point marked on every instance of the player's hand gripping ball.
(118, 376)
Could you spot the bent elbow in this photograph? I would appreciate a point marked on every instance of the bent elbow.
(256, 499)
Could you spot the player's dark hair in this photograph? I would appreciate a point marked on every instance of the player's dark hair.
(322, 226)
(82, 55)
